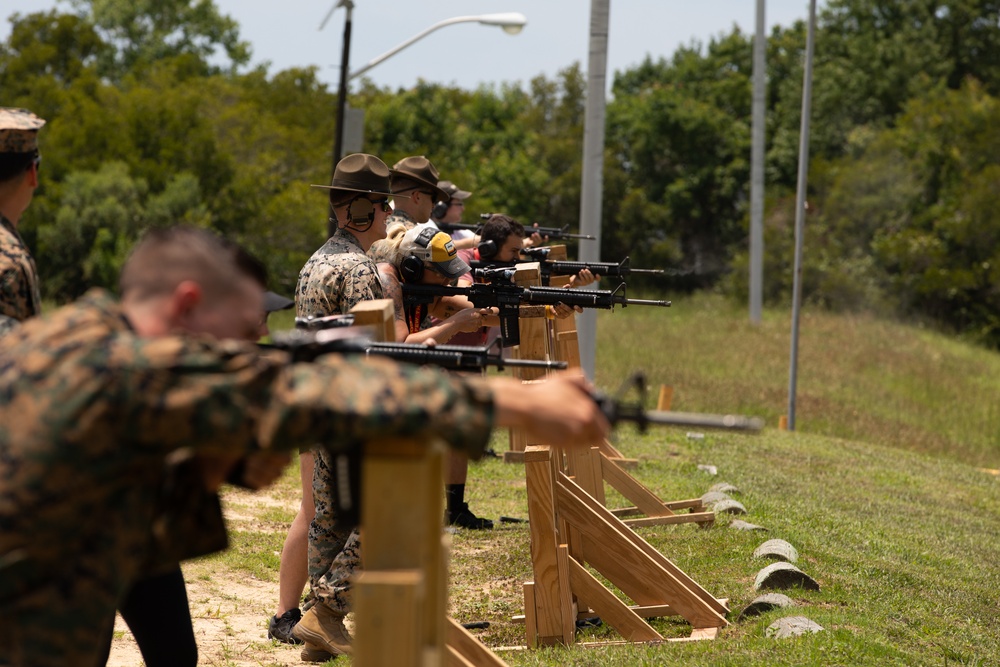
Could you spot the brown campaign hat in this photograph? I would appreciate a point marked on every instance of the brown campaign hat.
(274, 302)
(360, 172)
(419, 169)
(453, 191)
(19, 130)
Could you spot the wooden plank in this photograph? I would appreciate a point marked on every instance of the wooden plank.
(530, 615)
(377, 314)
(384, 604)
(567, 607)
(631, 563)
(513, 457)
(401, 523)
(607, 605)
(542, 524)
(470, 649)
(673, 519)
(666, 397)
(647, 502)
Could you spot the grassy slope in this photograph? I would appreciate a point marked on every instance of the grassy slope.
(901, 534)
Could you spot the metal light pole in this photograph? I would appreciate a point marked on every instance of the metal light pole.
(592, 181)
(800, 210)
(757, 168)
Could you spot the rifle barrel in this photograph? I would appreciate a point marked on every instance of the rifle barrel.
(700, 420)
(647, 302)
(657, 272)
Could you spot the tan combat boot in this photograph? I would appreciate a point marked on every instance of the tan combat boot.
(322, 628)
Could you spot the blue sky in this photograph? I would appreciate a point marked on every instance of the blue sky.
(286, 34)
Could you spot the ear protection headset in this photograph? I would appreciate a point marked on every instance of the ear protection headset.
(361, 209)
(440, 210)
(487, 250)
(411, 268)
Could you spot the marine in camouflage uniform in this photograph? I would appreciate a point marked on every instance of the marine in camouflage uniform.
(19, 294)
(19, 161)
(336, 278)
(89, 412)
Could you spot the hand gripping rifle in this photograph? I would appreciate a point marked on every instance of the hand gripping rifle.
(503, 294)
(617, 410)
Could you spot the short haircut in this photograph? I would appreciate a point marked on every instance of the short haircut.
(499, 228)
(166, 256)
(13, 165)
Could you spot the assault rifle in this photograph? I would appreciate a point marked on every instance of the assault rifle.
(617, 410)
(324, 335)
(550, 268)
(551, 232)
(507, 297)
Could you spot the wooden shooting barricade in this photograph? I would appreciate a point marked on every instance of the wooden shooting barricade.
(571, 527)
(591, 469)
(401, 595)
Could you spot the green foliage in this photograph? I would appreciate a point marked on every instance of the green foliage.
(142, 32)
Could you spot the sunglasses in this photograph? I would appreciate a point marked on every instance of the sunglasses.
(384, 202)
(37, 163)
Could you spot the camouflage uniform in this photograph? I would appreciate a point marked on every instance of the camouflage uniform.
(336, 278)
(89, 412)
(396, 225)
(19, 297)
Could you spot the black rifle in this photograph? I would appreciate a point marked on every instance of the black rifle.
(617, 410)
(550, 268)
(551, 232)
(324, 338)
(507, 297)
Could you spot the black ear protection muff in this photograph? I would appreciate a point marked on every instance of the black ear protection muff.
(440, 210)
(411, 268)
(361, 209)
(487, 250)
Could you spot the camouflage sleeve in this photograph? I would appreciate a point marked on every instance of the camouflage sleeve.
(15, 295)
(222, 404)
(360, 284)
(7, 324)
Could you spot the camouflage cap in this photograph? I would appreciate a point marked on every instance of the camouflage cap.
(18, 130)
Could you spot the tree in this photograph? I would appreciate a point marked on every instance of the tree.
(142, 32)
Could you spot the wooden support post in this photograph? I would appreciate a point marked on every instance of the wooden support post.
(666, 397)
(378, 315)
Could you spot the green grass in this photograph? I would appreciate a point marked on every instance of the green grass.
(879, 489)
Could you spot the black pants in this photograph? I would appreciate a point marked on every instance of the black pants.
(156, 611)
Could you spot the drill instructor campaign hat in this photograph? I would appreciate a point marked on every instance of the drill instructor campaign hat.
(434, 246)
(418, 169)
(19, 130)
(360, 172)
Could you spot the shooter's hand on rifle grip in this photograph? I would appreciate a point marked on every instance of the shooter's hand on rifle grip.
(559, 411)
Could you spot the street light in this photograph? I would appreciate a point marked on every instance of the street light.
(511, 22)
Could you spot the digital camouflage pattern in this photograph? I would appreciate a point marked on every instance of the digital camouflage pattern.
(89, 412)
(336, 278)
(19, 130)
(396, 226)
(19, 295)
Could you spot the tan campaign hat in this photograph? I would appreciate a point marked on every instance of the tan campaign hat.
(360, 172)
(419, 169)
(19, 130)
